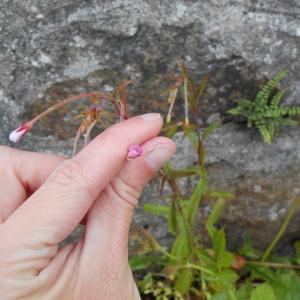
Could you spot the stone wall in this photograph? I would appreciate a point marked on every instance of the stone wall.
(51, 49)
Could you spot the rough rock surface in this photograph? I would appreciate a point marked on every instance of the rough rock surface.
(51, 49)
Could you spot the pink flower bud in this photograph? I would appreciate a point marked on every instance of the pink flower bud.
(17, 134)
(134, 151)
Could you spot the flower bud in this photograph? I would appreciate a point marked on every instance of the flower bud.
(16, 135)
(134, 151)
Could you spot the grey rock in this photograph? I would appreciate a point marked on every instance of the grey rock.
(52, 49)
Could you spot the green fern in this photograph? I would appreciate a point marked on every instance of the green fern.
(265, 112)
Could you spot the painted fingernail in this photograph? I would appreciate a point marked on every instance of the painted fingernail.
(160, 155)
(150, 117)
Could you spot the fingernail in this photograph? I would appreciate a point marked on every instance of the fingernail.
(150, 117)
(159, 156)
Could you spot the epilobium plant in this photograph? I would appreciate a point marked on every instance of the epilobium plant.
(189, 269)
(91, 116)
(265, 112)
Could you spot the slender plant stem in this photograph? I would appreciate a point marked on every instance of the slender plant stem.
(122, 111)
(272, 265)
(76, 141)
(283, 228)
(72, 99)
(186, 103)
(171, 100)
(196, 267)
(87, 137)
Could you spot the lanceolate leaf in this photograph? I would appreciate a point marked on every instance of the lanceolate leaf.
(184, 280)
(181, 247)
(214, 216)
(140, 262)
(156, 209)
(196, 196)
(210, 129)
(201, 87)
(172, 217)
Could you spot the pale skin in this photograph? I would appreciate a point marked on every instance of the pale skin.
(44, 197)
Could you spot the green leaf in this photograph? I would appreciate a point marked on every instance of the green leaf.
(224, 295)
(214, 216)
(184, 280)
(192, 134)
(286, 286)
(297, 249)
(195, 198)
(288, 122)
(264, 132)
(263, 292)
(221, 194)
(244, 292)
(156, 209)
(180, 248)
(263, 273)
(210, 129)
(140, 262)
(204, 256)
(200, 88)
(171, 131)
(224, 280)
(219, 242)
(234, 111)
(172, 218)
(224, 258)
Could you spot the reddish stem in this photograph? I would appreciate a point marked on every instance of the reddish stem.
(73, 99)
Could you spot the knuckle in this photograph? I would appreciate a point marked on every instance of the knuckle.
(125, 191)
(72, 173)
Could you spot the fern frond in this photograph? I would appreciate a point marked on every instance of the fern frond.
(288, 122)
(265, 112)
(276, 100)
(264, 132)
(234, 111)
(290, 111)
(245, 103)
(261, 99)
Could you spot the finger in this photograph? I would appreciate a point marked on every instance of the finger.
(21, 173)
(58, 206)
(111, 214)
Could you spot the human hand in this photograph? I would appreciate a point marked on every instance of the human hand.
(42, 199)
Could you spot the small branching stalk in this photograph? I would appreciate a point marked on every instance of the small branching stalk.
(93, 114)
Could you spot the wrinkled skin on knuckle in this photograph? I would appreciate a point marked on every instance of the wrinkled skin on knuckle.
(125, 192)
(72, 174)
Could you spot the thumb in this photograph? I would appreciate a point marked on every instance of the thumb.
(111, 214)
